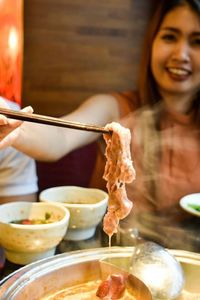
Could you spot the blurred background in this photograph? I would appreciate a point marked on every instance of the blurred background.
(74, 49)
(56, 53)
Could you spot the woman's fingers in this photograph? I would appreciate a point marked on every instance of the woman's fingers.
(11, 123)
(9, 128)
(27, 109)
(8, 140)
(3, 120)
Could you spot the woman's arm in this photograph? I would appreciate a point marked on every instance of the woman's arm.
(44, 142)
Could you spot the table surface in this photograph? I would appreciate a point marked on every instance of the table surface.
(97, 241)
(124, 238)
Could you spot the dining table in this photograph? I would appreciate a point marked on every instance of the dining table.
(99, 240)
(125, 237)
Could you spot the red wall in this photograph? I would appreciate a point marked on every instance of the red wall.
(11, 49)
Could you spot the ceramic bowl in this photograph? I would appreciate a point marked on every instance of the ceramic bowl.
(87, 207)
(26, 243)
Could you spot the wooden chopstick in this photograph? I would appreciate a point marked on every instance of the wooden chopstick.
(41, 119)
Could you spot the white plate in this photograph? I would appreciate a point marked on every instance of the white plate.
(186, 201)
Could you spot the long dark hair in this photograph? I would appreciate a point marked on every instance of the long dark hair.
(151, 106)
(148, 90)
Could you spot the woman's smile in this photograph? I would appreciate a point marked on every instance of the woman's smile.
(178, 74)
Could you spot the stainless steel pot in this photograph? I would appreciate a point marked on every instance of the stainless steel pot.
(43, 277)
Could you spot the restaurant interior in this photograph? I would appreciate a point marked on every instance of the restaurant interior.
(53, 56)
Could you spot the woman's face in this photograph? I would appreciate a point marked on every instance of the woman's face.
(175, 59)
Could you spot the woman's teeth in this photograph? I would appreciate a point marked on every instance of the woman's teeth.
(176, 71)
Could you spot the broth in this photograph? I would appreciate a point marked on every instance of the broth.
(83, 200)
(85, 291)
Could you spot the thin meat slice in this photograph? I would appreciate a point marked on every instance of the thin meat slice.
(119, 170)
(110, 223)
(112, 288)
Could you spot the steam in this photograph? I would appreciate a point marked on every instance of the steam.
(155, 193)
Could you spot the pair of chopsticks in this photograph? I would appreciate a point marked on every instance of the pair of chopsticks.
(41, 119)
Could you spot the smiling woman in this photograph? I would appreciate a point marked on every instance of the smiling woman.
(175, 56)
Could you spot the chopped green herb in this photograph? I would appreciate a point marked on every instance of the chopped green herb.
(195, 206)
(47, 219)
(47, 215)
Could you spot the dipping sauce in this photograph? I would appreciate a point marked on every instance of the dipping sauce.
(47, 219)
(83, 200)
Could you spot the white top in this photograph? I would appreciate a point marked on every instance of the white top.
(17, 170)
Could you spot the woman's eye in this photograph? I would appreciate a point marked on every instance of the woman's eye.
(168, 37)
(196, 42)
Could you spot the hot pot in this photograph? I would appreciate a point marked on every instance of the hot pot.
(46, 276)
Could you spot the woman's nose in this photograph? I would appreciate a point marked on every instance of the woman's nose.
(181, 51)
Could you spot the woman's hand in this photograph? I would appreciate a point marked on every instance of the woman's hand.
(9, 129)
